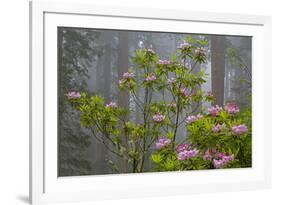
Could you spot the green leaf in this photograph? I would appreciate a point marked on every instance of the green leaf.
(156, 158)
(173, 58)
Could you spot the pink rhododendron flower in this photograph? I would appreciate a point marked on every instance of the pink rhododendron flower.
(184, 92)
(199, 116)
(232, 108)
(190, 119)
(218, 163)
(128, 75)
(210, 94)
(208, 155)
(150, 50)
(73, 95)
(214, 110)
(111, 105)
(187, 154)
(222, 160)
(122, 82)
(184, 45)
(151, 77)
(162, 142)
(200, 50)
(158, 117)
(220, 154)
(228, 158)
(164, 62)
(218, 127)
(193, 118)
(239, 129)
(182, 147)
(218, 159)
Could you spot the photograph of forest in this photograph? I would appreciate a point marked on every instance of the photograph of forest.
(139, 101)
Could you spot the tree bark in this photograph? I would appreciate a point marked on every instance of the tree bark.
(123, 97)
(107, 66)
(218, 67)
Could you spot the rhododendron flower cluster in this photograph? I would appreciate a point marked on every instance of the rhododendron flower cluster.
(164, 62)
(218, 159)
(73, 95)
(158, 117)
(210, 94)
(151, 77)
(200, 50)
(184, 45)
(222, 160)
(187, 154)
(209, 155)
(232, 108)
(149, 50)
(214, 110)
(122, 82)
(128, 75)
(184, 91)
(218, 128)
(192, 118)
(239, 129)
(111, 105)
(182, 147)
(162, 142)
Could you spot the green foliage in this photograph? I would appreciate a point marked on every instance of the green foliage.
(145, 58)
(178, 85)
(239, 145)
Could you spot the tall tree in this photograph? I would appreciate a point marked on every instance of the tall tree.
(123, 97)
(218, 54)
(75, 54)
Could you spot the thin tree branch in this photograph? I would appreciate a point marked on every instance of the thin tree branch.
(101, 141)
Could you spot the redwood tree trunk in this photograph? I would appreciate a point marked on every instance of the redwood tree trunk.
(123, 97)
(218, 67)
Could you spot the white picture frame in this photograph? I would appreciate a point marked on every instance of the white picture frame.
(46, 187)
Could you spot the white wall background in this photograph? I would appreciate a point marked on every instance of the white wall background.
(14, 100)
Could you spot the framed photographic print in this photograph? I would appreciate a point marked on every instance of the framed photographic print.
(129, 102)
